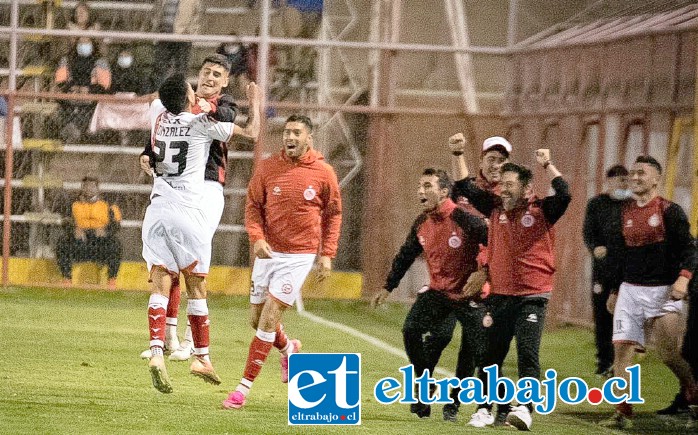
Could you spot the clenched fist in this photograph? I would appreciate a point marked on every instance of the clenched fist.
(457, 143)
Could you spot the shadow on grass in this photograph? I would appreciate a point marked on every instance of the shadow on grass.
(643, 423)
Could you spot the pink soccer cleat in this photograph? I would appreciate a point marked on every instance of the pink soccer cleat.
(235, 400)
(284, 360)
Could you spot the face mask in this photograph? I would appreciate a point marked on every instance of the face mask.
(232, 48)
(84, 49)
(621, 194)
(125, 61)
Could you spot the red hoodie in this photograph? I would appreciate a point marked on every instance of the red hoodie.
(295, 206)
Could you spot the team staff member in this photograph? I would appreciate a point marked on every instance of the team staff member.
(521, 267)
(496, 151)
(449, 238)
(213, 77)
(293, 211)
(603, 239)
(659, 261)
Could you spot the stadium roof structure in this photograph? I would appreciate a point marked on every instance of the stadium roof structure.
(610, 20)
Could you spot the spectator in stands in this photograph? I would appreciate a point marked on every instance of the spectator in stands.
(92, 233)
(237, 54)
(82, 18)
(127, 76)
(182, 17)
(83, 71)
(3, 106)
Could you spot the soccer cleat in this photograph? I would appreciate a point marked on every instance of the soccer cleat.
(158, 372)
(483, 417)
(450, 412)
(617, 421)
(677, 407)
(235, 400)
(204, 369)
(284, 360)
(520, 417)
(183, 353)
(420, 409)
(146, 354)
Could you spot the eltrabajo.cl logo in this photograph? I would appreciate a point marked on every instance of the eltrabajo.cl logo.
(324, 389)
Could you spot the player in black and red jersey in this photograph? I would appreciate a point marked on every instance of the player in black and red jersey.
(658, 264)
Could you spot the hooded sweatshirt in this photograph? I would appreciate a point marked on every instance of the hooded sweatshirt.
(295, 205)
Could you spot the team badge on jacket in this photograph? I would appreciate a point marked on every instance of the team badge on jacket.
(454, 241)
(528, 220)
(503, 219)
(276, 190)
(309, 193)
(653, 221)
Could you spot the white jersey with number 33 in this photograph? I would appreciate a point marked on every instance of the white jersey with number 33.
(181, 145)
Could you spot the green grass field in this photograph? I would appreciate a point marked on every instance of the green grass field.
(71, 366)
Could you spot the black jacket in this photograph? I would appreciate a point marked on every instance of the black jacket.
(602, 227)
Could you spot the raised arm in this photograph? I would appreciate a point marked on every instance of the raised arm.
(251, 130)
(554, 206)
(456, 144)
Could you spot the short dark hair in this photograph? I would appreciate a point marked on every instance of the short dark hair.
(89, 179)
(444, 180)
(173, 93)
(525, 174)
(218, 59)
(616, 171)
(302, 119)
(650, 161)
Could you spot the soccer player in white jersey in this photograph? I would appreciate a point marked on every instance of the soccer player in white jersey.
(173, 241)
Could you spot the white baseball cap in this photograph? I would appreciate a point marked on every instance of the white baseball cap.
(494, 141)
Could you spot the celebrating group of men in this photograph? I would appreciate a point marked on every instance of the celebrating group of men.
(293, 212)
(645, 257)
(488, 243)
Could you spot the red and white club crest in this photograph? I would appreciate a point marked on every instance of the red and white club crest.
(528, 220)
(286, 288)
(454, 241)
(653, 221)
(309, 193)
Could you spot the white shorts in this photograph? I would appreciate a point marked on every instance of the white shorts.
(636, 305)
(214, 201)
(176, 237)
(280, 276)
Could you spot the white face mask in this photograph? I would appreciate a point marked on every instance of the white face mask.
(232, 48)
(125, 61)
(84, 49)
(621, 194)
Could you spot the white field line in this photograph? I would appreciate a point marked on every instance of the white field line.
(401, 354)
(367, 338)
